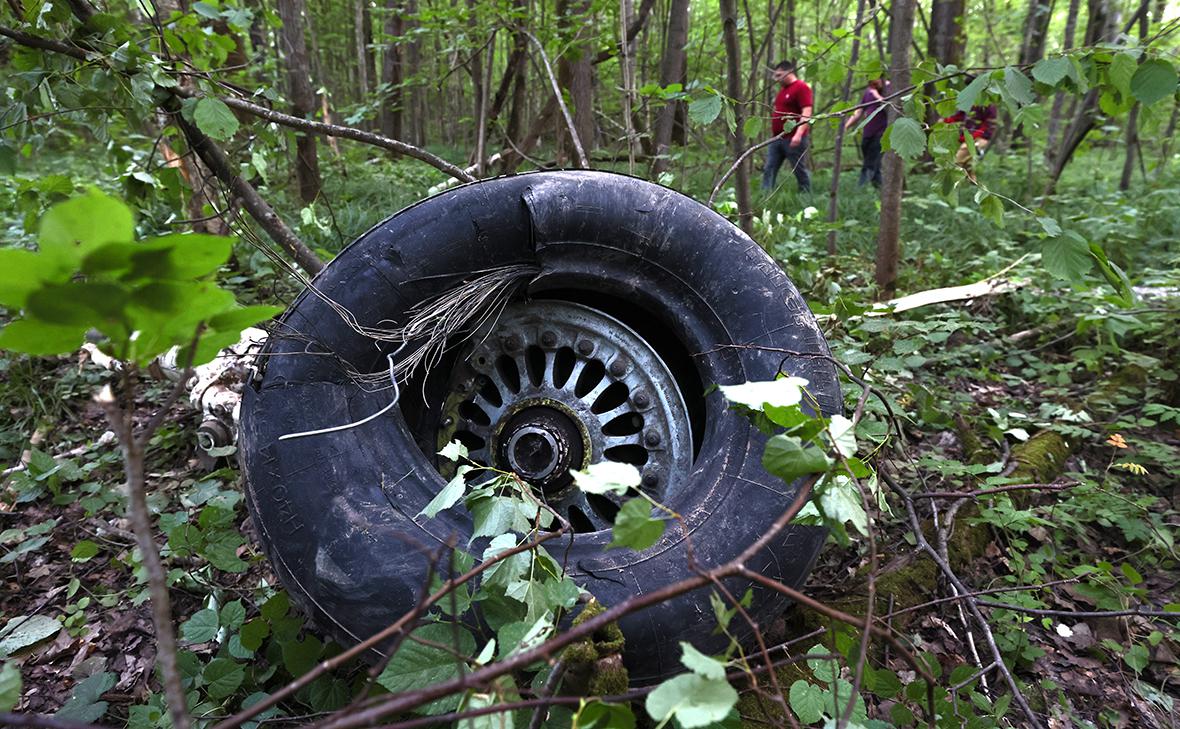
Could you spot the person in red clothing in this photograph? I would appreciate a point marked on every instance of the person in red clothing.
(980, 123)
(792, 104)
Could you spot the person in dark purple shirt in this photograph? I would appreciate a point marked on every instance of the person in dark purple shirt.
(872, 106)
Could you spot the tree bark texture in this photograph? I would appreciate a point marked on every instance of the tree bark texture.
(1099, 27)
(733, 80)
(901, 29)
(1071, 26)
(1036, 30)
(575, 72)
(673, 66)
(946, 42)
(362, 44)
(390, 117)
(307, 166)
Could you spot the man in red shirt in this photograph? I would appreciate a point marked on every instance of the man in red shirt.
(792, 104)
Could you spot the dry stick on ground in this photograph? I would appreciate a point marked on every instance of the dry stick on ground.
(1132, 612)
(977, 493)
(972, 603)
(134, 448)
(407, 701)
(565, 112)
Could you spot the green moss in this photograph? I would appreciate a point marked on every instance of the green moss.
(1041, 458)
(974, 450)
(598, 656)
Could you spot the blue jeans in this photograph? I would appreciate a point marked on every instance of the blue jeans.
(781, 149)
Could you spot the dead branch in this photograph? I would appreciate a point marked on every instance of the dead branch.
(565, 112)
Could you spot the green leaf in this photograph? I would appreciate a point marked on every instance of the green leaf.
(21, 273)
(214, 118)
(907, 138)
(222, 677)
(1120, 72)
(10, 687)
(752, 127)
(634, 526)
(1050, 226)
(1018, 86)
(607, 477)
(449, 495)
(1137, 657)
(180, 257)
(83, 551)
(1052, 71)
(38, 338)
(1113, 274)
(786, 457)
(253, 633)
(780, 393)
(1153, 80)
(299, 656)
(416, 666)
(233, 614)
(705, 109)
(823, 669)
(992, 208)
(599, 715)
(968, 97)
(71, 229)
(201, 627)
(841, 501)
(84, 705)
(453, 451)
(700, 664)
(1067, 256)
(807, 701)
(692, 700)
(24, 631)
(842, 432)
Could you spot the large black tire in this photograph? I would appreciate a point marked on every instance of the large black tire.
(336, 513)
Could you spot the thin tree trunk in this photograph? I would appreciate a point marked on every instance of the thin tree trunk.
(410, 69)
(362, 44)
(391, 117)
(946, 41)
(834, 190)
(1099, 27)
(901, 29)
(1036, 27)
(1133, 117)
(628, 77)
(672, 69)
(1132, 147)
(1071, 25)
(1169, 134)
(307, 166)
(733, 80)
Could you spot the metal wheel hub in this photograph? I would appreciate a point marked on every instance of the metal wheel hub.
(553, 386)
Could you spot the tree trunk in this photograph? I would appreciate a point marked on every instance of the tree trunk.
(673, 66)
(901, 29)
(1132, 147)
(1036, 28)
(834, 190)
(1099, 28)
(1169, 134)
(307, 166)
(409, 69)
(575, 70)
(362, 45)
(946, 40)
(733, 80)
(1071, 25)
(391, 117)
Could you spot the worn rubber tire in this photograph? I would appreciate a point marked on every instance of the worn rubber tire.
(336, 512)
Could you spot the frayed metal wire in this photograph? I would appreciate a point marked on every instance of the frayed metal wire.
(397, 393)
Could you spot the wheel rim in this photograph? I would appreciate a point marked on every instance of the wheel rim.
(552, 386)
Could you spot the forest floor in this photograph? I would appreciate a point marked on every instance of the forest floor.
(978, 387)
